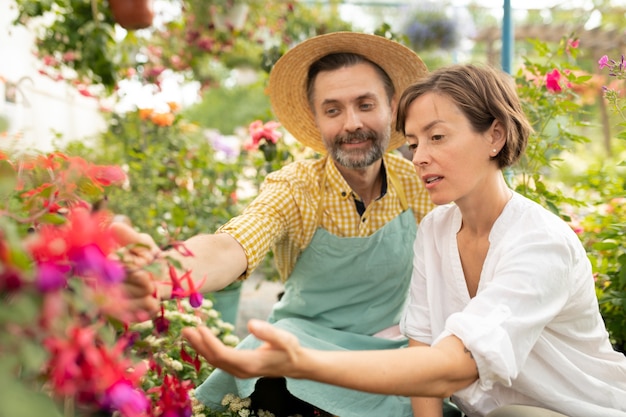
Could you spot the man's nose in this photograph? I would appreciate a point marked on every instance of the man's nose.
(353, 120)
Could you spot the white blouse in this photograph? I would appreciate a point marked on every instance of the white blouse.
(534, 327)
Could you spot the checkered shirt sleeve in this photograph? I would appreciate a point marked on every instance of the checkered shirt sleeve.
(284, 215)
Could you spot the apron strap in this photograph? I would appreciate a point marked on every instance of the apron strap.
(395, 182)
(320, 208)
(399, 189)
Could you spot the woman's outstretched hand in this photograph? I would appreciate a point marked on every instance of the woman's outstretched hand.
(279, 355)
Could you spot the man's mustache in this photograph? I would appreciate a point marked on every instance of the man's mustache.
(355, 137)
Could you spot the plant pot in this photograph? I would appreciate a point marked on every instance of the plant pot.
(132, 14)
(226, 301)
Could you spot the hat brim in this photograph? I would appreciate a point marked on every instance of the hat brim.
(288, 78)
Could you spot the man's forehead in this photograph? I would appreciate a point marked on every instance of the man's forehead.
(359, 81)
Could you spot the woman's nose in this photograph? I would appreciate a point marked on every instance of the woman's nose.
(420, 156)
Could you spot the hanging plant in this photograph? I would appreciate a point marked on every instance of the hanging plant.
(75, 41)
(430, 27)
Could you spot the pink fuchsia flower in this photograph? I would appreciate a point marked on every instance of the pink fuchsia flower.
(81, 365)
(259, 131)
(125, 398)
(603, 62)
(552, 81)
(83, 242)
(571, 45)
(193, 289)
(172, 397)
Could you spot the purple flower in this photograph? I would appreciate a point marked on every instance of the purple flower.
(112, 271)
(603, 62)
(87, 259)
(195, 299)
(51, 276)
(161, 324)
(91, 260)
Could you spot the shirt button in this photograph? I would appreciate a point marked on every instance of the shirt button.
(343, 193)
(364, 219)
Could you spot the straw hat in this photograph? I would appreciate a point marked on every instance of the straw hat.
(288, 78)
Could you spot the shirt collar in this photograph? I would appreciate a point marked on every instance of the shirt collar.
(339, 185)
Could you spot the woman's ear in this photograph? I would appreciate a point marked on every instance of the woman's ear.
(498, 135)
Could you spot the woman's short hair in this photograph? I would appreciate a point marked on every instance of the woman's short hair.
(483, 94)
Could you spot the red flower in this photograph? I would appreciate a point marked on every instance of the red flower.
(259, 131)
(552, 81)
(173, 397)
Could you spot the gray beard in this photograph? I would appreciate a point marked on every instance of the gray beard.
(358, 159)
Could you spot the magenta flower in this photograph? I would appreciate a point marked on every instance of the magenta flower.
(603, 62)
(122, 396)
(51, 276)
(552, 81)
(90, 260)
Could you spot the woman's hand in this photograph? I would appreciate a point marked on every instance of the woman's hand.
(279, 355)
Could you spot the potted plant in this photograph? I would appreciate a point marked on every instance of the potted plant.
(132, 14)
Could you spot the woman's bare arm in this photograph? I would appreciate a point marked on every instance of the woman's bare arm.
(418, 371)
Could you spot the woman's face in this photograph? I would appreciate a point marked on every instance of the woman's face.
(452, 160)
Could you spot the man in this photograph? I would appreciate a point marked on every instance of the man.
(342, 226)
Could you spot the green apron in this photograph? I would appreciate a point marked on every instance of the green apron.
(340, 293)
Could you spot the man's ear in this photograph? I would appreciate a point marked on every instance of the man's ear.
(394, 108)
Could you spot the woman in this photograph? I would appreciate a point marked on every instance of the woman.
(502, 315)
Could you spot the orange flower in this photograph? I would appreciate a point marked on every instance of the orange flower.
(145, 114)
(162, 119)
(174, 107)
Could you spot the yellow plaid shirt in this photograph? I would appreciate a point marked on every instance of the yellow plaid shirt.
(284, 215)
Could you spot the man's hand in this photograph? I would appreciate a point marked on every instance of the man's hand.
(280, 355)
(138, 251)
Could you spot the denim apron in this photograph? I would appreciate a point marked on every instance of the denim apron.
(342, 291)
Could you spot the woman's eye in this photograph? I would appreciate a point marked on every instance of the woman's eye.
(437, 137)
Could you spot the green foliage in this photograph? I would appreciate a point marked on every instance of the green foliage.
(592, 196)
(241, 103)
(603, 232)
(554, 113)
(177, 185)
(170, 355)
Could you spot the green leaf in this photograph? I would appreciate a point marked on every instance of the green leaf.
(52, 218)
(8, 179)
(16, 400)
(606, 244)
